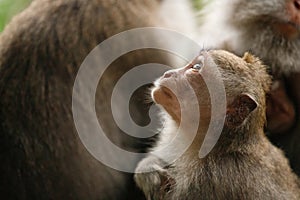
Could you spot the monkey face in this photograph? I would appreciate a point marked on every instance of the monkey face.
(184, 89)
(183, 92)
(289, 27)
(280, 16)
(269, 28)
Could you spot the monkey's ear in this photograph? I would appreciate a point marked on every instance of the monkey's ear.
(249, 58)
(239, 110)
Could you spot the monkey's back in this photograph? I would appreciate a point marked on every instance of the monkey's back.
(262, 175)
(41, 51)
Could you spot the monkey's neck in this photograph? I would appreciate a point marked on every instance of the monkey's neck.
(243, 139)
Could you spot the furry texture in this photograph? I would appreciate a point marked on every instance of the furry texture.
(241, 26)
(40, 53)
(241, 155)
(269, 29)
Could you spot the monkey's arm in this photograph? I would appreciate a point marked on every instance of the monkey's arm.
(293, 84)
(293, 139)
(152, 178)
(288, 139)
(280, 109)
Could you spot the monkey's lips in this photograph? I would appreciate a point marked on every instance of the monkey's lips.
(161, 94)
(165, 97)
(287, 29)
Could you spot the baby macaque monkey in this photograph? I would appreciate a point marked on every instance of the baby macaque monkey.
(243, 164)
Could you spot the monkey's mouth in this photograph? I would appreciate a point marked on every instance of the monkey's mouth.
(293, 25)
(288, 29)
(167, 92)
(164, 87)
(161, 95)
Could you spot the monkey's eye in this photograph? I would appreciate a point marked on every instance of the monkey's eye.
(197, 66)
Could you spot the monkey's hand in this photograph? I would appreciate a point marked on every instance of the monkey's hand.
(152, 178)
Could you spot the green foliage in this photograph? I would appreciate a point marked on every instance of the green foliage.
(198, 4)
(8, 8)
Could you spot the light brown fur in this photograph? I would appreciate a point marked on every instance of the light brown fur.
(268, 29)
(243, 164)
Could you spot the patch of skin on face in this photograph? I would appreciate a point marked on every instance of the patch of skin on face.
(165, 97)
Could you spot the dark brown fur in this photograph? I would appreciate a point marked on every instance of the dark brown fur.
(40, 53)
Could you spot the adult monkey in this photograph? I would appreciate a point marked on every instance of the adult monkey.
(41, 51)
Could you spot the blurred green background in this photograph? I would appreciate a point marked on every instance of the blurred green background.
(8, 8)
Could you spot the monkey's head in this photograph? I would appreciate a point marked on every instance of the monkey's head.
(268, 28)
(281, 16)
(246, 84)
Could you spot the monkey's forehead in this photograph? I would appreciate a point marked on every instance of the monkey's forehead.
(228, 61)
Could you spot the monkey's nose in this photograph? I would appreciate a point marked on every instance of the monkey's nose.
(297, 4)
(168, 74)
(293, 10)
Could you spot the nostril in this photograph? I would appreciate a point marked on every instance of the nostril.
(297, 4)
(168, 74)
